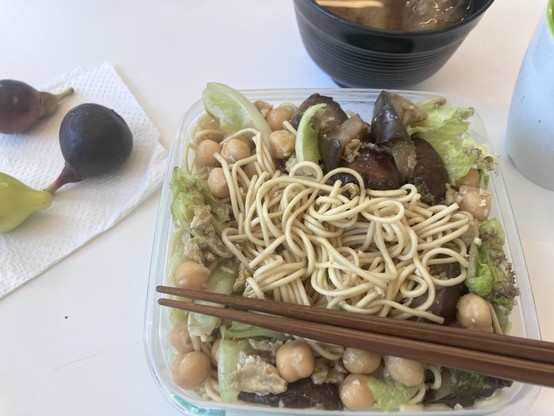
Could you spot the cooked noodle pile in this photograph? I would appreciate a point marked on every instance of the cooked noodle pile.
(308, 240)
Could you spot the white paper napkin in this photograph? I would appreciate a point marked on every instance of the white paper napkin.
(82, 210)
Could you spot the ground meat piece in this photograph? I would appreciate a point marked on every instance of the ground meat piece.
(267, 347)
(326, 371)
(256, 375)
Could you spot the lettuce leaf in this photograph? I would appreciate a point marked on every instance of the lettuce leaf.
(446, 129)
(227, 363)
(236, 339)
(198, 214)
(240, 330)
(233, 110)
(221, 280)
(389, 394)
(490, 273)
(190, 191)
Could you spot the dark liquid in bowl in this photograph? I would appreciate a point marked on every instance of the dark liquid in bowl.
(406, 15)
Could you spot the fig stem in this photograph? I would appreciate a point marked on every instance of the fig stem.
(49, 102)
(52, 188)
(64, 94)
(67, 175)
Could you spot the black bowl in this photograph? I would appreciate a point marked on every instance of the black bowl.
(357, 56)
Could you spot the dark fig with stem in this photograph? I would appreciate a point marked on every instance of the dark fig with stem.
(94, 140)
(22, 106)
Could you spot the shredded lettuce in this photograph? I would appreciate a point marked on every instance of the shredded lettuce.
(191, 191)
(233, 110)
(389, 394)
(221, 280)
(239, 330)
(235, 340)
(200, 218)
(446, 129)
(196, 211)
(227, 359)
(490, 274)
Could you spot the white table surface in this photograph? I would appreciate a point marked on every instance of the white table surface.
(71, 340)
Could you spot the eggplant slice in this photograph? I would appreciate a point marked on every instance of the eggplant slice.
(389, 132)
(429, 174)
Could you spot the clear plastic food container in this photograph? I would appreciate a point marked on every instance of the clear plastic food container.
(160, 353)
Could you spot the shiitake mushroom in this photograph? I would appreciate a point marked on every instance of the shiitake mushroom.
(377, 169)
(301, 394)
(462, 388)
(388, 156)
(380, 171)
(333, 144)
(333, 116)
(446, 297)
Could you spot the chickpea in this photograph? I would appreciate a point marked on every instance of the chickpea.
(360, 361)
(209, 122)
(263, 107)
(277, 116)
(281, 143)
(250, 170)
(404, 371)
(215, 350)
(216, 136)
(205, 153)
(191, 369)
(294, 360)
(191, 275)
(476, 201)
(179, 338)
(247, 139)
(355, 393)
(235, 149)
(474, 313)
(217, 183)
(472, 178)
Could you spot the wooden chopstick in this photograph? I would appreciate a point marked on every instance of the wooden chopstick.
(526, 360)
(438, 334)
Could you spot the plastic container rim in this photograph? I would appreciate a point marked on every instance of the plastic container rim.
(521, 399)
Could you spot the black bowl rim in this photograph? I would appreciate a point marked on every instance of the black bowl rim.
(399, 33)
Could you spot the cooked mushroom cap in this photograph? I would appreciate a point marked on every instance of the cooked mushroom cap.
(377, 169)
(333, 116)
